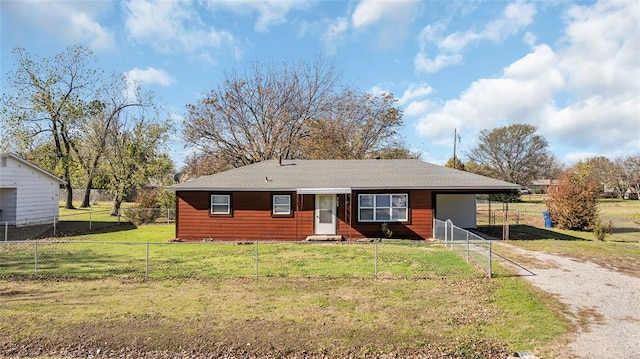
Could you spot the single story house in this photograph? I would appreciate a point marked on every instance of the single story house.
(28, 194)
(347, 199)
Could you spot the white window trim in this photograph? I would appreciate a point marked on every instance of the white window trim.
(373, 207)
(273, 210)
(219, 204)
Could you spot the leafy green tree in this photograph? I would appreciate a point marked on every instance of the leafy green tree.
(46, 103)
(115, 98)
(573, 202)
(513, 153)
(135, 156)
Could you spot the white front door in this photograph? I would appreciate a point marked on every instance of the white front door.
(325, 214)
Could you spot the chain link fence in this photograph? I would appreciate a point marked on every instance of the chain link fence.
(468, 245)
(87, 221)
(88, 259)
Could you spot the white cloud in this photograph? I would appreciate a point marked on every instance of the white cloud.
(71, 22)
(602, 56)
(415, 91)
(424, 64)
(334, 34)
(594, 71)
(515, 17)
(390, 18)
(150, 76)
(369, 12)
(269, 12)
(174, 26)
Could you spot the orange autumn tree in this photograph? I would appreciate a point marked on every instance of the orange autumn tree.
(573, 202)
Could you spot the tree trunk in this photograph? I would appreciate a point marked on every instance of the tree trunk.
(87, 194)
(69, 204)
(117, 201)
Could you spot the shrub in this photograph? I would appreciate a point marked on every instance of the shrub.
(600, 230)
(386, 231)
(573, 202)
(147, 209)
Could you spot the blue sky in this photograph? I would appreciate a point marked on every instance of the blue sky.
(570, 68)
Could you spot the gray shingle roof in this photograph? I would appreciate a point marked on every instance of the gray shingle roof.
(294, 175)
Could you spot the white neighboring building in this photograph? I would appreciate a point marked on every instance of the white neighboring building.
(28, 194)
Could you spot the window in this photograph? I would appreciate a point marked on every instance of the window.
(281, 204)
(220, 204)
(383, 207)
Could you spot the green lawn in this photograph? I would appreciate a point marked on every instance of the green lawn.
(107, 255)
(309, 299)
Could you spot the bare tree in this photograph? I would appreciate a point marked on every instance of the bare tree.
(356, 126)
(630, 174)
(260, 114)
(289, 111)
(607, 174)
(47, 104)
(513, 153)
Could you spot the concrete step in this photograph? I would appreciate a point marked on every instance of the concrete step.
(324, 238)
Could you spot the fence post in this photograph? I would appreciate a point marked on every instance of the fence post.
(375, 266)
(90, 213)
(467, 247)
(168, 220)
(6, 230)
(35, 259)
(452, 239)
(146, 270)
(118, 215)
(256, 259)
(489, 268)
(54, 226)
(446, 235)
(433, 229)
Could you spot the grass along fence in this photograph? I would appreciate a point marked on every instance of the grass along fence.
(91, 259)
(84, 221)
(473, 248)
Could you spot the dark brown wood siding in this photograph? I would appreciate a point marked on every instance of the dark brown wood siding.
(251, 217)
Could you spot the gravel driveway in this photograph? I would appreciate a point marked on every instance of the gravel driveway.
(609, 300)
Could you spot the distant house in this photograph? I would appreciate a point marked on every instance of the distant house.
(307, 199)
(543, 185)
(28, 194)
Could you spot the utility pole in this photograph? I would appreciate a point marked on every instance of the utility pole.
(456, 139)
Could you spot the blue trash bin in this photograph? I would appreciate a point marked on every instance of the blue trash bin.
(547, 220)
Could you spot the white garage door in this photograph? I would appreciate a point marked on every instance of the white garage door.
(459, 208)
